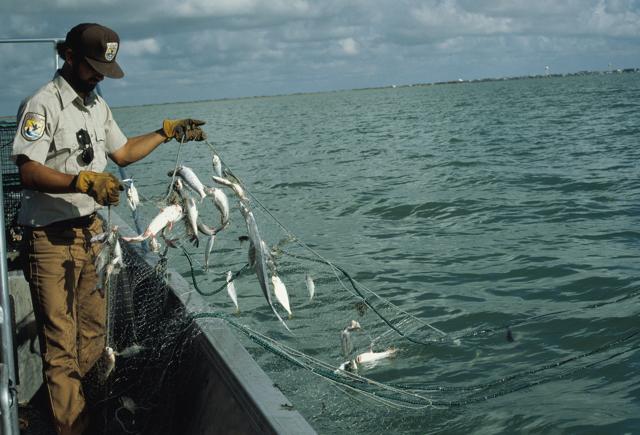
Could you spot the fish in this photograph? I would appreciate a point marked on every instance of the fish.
(281, 293)
(116, 264)
(129, 404)
(217, 165)
(107, 363)
(130, 351)
(191, 179)
(510, 338)
(370, 356)
(154, 245)
(222, 204)
(133, 199)
(207, 251)
(310, 285)
(259, 263)
(109, 260)
(345, 337)
(192, 219)
(166, 218)
(268, 257)
(237, 189)
(231, 290)
(99, 238)
(347, 366)
(206, 229)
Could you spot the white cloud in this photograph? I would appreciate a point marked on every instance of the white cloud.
(222, 47)
(349, 46)
(141, 47)
(192, 8)
(448, 18)
(611, 18)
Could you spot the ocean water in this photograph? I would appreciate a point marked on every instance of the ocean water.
(470, 206)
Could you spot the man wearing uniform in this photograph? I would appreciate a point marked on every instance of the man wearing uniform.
(65, 134)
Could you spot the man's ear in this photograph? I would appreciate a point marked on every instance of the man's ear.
(68, 56)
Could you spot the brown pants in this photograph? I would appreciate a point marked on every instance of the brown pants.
(70, 313)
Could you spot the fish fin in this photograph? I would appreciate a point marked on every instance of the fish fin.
(171, 242)
(195, 241)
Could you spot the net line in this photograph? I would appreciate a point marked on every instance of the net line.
(141, 319)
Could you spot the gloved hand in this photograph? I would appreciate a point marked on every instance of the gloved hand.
(183, 130)
(104, 187)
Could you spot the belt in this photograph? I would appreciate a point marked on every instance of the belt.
(79, 222)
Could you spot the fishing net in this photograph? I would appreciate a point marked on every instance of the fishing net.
(336, 324)
(149, 333)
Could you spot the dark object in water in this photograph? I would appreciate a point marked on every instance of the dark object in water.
(361, 307)
(510, 338)
(243, 239)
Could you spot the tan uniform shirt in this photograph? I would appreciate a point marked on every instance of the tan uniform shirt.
(48, 122)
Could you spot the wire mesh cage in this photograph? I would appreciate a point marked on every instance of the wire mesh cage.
(10, 185)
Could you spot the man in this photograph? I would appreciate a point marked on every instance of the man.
(65, 134)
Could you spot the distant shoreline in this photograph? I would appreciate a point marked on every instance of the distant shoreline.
(450, 82)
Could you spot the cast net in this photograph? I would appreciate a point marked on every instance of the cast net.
(331, 328)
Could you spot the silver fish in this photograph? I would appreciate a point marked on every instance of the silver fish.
(311, 286)
(206, 229)
(207, 251)
(222, 204)
(217, 165)
(133, 199)
(166, 218)
(231, 290)
(345, 337)
(109, 260)
(130, 351)
(259, 265)
(192, 219)
(191, 179)
(370, 356)
(100, 238)
(347, 366)
(281, 293)
(154, 245)
(237, 189)
(107, 363)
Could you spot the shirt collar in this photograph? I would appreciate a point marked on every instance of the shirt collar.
(68, 94)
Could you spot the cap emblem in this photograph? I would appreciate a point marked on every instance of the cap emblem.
(112, 50)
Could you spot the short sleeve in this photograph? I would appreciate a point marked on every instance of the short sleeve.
(35, 131)
(115, 138)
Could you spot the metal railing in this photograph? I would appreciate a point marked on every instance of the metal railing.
(8, 377)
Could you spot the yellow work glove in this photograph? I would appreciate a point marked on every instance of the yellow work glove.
(104, 187)
(183, 130)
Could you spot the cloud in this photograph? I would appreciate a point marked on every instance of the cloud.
(206, 49)
(349, 46)
(141, 47)
(447, 17)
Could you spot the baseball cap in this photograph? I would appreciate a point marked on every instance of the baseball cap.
(99, 45)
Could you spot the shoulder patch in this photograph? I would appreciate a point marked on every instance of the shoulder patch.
(32, 126)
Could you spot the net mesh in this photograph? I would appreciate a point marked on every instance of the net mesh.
(10, 185)
(320, 342)
(334, 328)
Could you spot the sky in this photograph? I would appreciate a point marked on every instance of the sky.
(185, 50)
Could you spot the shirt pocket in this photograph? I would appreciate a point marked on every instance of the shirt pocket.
(61, 154)
(100, 155)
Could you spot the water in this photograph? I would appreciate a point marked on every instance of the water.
(465, 205)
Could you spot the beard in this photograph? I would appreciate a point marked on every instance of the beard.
(77, 83)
